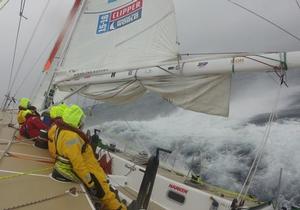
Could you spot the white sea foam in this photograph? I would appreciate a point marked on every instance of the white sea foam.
(226, 147)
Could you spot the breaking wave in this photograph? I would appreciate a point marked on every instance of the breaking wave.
(220, 149)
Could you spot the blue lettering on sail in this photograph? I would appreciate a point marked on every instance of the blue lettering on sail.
(103, 23)
(120, 17)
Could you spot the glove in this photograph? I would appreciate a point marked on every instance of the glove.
(95, 188)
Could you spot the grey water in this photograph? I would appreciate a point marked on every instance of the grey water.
(220, 149)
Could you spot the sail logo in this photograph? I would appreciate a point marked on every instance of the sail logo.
(120, 17)
(177, 188)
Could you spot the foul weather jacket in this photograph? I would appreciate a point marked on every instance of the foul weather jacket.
(69, 145)
(20, 118)
(32, 126)
(51, 142)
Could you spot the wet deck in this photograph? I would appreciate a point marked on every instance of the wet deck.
(24, 177)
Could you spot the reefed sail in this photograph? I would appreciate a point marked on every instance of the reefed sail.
(114, 36)
(122, 35)
(120, 49)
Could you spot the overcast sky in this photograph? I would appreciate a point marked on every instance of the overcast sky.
(203, 26)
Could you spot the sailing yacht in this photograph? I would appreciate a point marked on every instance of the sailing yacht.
(115, 51)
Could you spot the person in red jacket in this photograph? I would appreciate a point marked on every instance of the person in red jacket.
(32, 126)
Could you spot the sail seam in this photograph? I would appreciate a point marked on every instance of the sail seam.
(146, 29)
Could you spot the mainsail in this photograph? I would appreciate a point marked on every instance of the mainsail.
(117, 49)
(124, 34)
(121, 49)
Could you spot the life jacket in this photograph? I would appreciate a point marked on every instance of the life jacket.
(63, 126)
(63, 166)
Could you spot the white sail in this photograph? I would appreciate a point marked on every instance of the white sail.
(120, 49)
(128, 35)
(122, 34)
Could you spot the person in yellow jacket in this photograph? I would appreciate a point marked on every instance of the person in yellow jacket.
(23, 106)
(56, 113)
(75, 159)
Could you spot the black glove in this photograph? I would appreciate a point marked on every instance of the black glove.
(93, 190)
(96, 189)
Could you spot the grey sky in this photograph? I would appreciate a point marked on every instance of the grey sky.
(42, 44)
(203, 26)
(218, 25)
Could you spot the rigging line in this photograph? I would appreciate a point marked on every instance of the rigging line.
(3, 4)
(276, 68)
(297, 2)
(22, 6)
(33, 66)
(38, 83)
(267, 137)
(265, 19)
(29, 43)
(165, 70)
(8, 146)
(23, 173)
(254, 166)
(212, 53)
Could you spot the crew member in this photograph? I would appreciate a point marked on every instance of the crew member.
(76, 161)
(23, 106)
(32, 126)
(56, 113)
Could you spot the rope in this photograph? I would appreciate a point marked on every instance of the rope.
(28, 45)
(265, 19)
(131, 168)
(22, 6)
(24, 173)
(38, 83)
(282, 66)
(24, 157)
(8, 146)
(72, 191)
(254, 166)
(266, 138)
(298, 4)
(33, 67)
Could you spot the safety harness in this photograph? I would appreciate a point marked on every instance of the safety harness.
(63, 165)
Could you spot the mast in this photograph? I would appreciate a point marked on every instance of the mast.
(76, 10)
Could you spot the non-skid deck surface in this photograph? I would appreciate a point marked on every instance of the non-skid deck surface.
(35, 185)
(133, 195)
